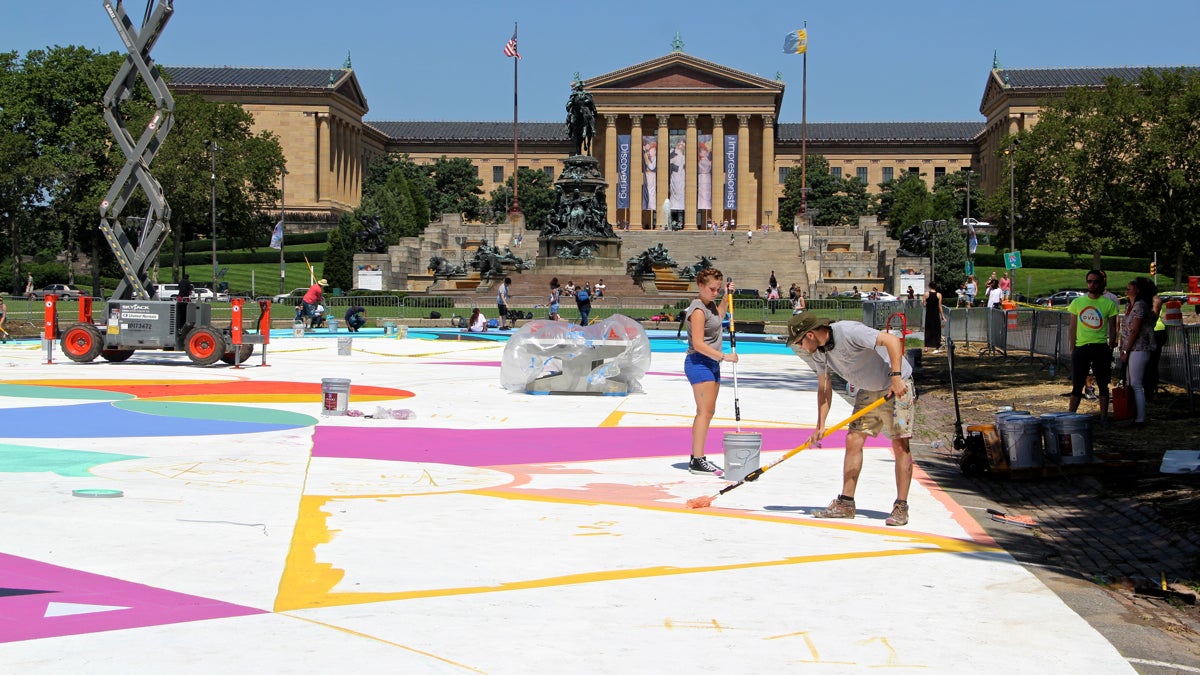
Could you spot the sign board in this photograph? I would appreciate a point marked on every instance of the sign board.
(371, 280)
(1012, 260)
(917, 281)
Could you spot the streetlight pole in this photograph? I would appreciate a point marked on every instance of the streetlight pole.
(1012, 196)
(282, 211)
(213, 148)
(928, 225)
(969, 173)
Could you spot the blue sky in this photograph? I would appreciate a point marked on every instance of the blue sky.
(868, 61)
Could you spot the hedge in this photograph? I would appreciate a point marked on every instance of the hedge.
(1059, 261)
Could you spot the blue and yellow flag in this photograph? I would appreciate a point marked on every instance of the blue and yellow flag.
(796, 42)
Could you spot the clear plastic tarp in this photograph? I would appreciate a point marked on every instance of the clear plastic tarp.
(581, 359)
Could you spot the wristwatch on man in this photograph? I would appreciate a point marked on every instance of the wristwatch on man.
(894, 373)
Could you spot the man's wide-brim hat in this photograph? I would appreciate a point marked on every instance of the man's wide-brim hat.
(802, 323)
(323, 282)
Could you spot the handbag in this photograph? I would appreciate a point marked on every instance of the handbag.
(1122, 402)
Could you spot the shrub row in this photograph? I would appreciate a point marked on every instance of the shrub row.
(245, 258)
(1058, 261)
(297, 239)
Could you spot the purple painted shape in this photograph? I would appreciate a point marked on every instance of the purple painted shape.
(24, 617)
(499, 447)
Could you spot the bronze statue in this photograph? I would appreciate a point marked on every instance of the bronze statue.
(581, 119)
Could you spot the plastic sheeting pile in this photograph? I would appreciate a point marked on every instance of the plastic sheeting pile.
(538, 348)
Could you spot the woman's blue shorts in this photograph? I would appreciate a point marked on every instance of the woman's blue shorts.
(700, 368)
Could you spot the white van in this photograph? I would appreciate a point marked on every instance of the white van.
(165, 291)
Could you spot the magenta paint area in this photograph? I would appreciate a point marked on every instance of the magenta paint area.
(28, 588)
(497, 447)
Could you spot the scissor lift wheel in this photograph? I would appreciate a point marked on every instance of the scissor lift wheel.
(204, 346)
(82, 343)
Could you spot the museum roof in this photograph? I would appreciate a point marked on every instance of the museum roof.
(1055, 78)
(430, 132)
(232, 76)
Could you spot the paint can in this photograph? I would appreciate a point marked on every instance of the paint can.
(335, 393)
(401, 332)
(298, 329)
(388, 328)
(741, 454)
(1022, 436)
(1068, 436)
(344, 345)
(333, 325)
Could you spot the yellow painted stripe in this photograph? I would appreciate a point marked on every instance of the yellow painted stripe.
(387, 642)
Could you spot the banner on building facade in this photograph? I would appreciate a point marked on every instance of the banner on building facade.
(730, 159)
(678, 161)
(649, 172)
(704, 163)
(623, 141)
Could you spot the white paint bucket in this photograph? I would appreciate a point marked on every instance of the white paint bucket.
(335, 393)
(741, 454)
(333, 325)
(1022, 441)
(388, 328)
(1069, 436)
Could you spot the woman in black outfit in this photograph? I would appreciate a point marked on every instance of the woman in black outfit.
(934, 316)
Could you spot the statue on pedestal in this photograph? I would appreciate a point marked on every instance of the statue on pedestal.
(581, 119)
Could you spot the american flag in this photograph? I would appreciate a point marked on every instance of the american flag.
(510, 47)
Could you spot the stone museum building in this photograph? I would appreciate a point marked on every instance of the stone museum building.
(681, 140)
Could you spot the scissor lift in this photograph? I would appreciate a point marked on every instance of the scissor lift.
(134, 319)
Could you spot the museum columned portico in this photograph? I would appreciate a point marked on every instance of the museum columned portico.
(686, 141)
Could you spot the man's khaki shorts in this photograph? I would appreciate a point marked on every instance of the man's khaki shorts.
(894, 417)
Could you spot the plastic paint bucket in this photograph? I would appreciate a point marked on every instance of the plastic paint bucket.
(741, 454)
(335, 394)
(344, 345)
(333, 325)
(1071, 435)
(297, 329)
(1022, 436)
(402, 332)
(388, 328)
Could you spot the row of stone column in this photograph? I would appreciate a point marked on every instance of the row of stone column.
(756, 186)
(339, 173)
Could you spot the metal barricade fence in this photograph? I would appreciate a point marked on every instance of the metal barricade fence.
(965, 325)
(1179, 363)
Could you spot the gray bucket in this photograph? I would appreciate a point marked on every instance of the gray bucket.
(333, 325)
(741, 454)
(344, 345)
(1070, 435)
(402, 332)
(388, 328)
(1050, 436)
(335, 393)
(1004, 415)
(1022, 438)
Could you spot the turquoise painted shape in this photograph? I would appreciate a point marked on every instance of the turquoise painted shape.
(67, 393)
(68, 463)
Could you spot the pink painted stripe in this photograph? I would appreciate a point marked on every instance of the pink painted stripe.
(492, 447)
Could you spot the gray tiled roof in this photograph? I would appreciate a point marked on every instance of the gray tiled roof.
(1055, 78)
(471, 132)
(909, 132)
(228, 76)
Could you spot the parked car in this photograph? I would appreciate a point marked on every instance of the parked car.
(292, 298)
(1059, 299)
(63, 291)
(164, 291)
(203, 294)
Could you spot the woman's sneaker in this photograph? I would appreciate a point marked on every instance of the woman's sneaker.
(702, 465)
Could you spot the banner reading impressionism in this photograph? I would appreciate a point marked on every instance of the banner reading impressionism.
(623, 141)
(731, 178)
(678, 160)
(649, 172)
(704, 172)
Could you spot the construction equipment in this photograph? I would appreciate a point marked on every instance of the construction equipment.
(135, 320)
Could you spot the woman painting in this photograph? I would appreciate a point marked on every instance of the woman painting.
(702, 365)
(935, 316)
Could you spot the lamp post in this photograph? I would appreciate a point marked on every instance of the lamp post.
(282, 211)
(768, 212)
(820, 244)
(969, 173)
(931, 228)
(1012, 196)
(213, 148)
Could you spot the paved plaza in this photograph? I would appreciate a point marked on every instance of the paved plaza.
(492, 532)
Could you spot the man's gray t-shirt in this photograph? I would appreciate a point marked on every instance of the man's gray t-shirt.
(850, 340)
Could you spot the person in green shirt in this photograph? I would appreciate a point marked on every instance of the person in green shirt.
(1093, 335)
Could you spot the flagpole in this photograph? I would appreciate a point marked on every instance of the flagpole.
(516, 203)
(804, 133)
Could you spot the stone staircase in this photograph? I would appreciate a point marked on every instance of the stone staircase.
(749, 264)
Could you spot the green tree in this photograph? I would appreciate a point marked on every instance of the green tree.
(537, 198)
(339, 253)
(906, 201)
(1167, 168)
(1073, 171)
(952, 188)
(393, 193)
(456, 188)
(840, 201)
